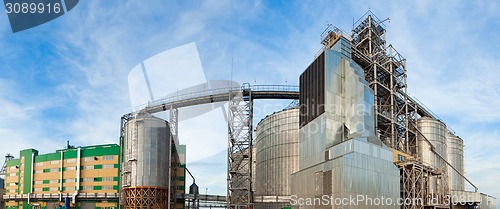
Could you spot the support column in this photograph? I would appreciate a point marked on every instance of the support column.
(240, 149)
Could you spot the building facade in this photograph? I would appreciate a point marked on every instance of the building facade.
(83, 177)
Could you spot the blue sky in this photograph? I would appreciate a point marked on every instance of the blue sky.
(67, 79)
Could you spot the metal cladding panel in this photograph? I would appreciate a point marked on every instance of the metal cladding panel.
(456, 158)
(312, 91)
(434, 131)
(277, 147)
(362, 169)
(146, 147)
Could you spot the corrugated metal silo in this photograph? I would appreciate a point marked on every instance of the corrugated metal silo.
(434, 131)
(145, 162)
(456, 159)
(277, 147)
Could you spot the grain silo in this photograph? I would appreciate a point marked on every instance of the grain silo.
(456, 158)
(432, 134)
(277, 147)
(145, 162)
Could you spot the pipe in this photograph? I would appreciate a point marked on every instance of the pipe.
(77, 175)
(61, 176)
(433, 149)
(31, 176)
(194, 180)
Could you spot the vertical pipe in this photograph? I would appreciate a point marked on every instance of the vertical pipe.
(79, 156)
(61, 176)
(394, 116)
(250, 148)
(169, 186)
(120, 184)
(77, 189)
(31, 176)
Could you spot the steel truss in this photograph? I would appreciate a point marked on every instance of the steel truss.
(415, 181)
(385, 71)
(3, 169)
(240, 146)
(145, 198)
(396, 112)
(174, 162)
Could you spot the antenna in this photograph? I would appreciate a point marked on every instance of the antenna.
(232, 67)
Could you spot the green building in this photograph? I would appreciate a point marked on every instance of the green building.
(86, 176)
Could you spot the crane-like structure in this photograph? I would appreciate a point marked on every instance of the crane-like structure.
(3, 170)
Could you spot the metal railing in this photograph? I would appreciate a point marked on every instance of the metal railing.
(219, 92)
(418, 102)
(64, 195)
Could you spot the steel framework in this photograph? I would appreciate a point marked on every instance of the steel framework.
(396, 112)
(3, 169)
(145, 198)
(385, 71)
(240, 148)
(414, 182)
(174, 159)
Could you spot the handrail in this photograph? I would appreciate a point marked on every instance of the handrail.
(219, 92)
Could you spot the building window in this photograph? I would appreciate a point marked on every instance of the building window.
(88, 179)
(71, 160)
(70, 180)
(71, 168)
(107, 179)
(70, 188)
(54, 169)
(109, 157)
(38, 171)
(88, 188)
(54, 162)
(38, 164)
(12, 184)
(13, 167)
(108, 166)
(38, 189)
(88, 159)
(53, 181)
(53, 189)
(88, 167)
(13, 174)
(107, 187)
(38, 182)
